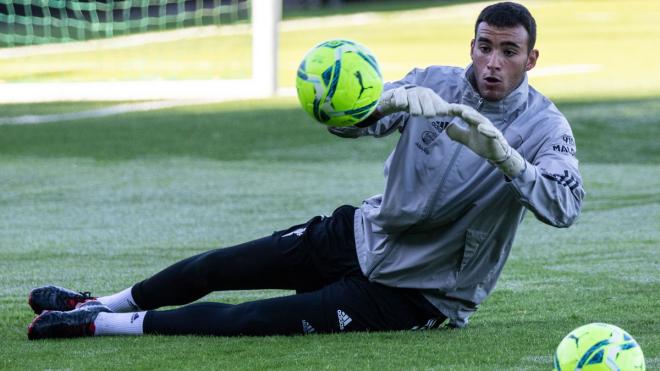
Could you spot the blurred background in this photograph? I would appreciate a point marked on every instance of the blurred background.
(588, 48)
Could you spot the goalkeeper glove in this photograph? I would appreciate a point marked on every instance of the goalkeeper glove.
(416, 100)
(484, 139)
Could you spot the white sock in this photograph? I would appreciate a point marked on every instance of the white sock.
(119, 323)
(120, 302)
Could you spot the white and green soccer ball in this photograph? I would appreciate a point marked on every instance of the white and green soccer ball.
(599, 346)
(339, 82)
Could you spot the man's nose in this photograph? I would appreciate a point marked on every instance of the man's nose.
(494, 61)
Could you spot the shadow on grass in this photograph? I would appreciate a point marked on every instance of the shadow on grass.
(613, 131)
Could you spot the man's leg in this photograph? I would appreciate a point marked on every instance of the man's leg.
(349, 304)
(279, 261)
(304, 258)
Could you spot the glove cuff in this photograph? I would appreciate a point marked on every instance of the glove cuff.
(513, 164)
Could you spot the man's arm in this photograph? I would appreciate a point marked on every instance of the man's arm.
(399, 99)
(551, 187)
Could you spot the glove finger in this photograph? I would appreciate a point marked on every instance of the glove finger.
(414, 104)
(458, 133)
(471, 116)
(400, 99)
(439, 105)
(427, 103)
(488, 130)
(386, 99)
(455, 109)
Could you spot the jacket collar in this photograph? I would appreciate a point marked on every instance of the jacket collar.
(509, 107)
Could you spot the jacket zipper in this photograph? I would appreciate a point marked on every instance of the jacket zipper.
(480, 103)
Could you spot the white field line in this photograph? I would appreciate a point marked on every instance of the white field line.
(119, 109)
(183, 90)
(213, 94)
(131, 91)
(101, 112)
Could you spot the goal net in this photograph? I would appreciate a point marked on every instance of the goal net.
(55, 50)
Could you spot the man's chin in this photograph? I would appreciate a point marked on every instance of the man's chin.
(493, 96)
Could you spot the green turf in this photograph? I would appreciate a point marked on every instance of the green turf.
(97, 204)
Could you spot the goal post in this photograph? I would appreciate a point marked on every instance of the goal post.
(265, 20)
(149, 22)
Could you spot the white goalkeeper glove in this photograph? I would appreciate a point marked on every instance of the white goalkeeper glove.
(417, 100)
(484, 139)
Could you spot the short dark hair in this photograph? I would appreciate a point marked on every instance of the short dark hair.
(508, 14)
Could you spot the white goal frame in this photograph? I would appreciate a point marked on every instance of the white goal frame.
(265, 18)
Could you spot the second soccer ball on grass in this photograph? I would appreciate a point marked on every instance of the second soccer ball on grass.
(599, 346)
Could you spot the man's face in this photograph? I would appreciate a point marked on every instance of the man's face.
(500, 59)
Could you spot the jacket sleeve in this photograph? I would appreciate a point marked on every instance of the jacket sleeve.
(551, 186)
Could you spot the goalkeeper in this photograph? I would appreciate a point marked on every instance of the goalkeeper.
(427, 251)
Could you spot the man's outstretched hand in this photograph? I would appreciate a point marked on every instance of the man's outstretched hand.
(484, 139)
(480, 135)
(416, 100)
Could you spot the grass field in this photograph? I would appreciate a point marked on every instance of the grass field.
(99, 204)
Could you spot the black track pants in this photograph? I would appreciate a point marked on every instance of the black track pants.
(317, 259)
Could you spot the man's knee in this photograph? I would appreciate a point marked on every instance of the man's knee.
(195, 274)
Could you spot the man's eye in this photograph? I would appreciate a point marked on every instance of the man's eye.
(484, 49)
(509, 53)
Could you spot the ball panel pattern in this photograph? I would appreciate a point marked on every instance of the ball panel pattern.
(339, 82)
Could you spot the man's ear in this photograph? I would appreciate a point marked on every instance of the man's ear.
(531, 59)
(472, 49)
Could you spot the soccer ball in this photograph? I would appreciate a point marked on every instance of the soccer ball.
(599, 346)
(339, 82)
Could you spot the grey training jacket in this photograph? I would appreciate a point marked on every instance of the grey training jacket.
(447, 218)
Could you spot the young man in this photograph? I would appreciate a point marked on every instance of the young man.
(430, 248)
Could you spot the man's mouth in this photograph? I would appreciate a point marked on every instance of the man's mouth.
(492, 79)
